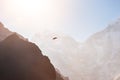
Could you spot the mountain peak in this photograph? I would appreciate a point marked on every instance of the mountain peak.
(21, 59)
(115, 26)
(4, 32)
(1, 25)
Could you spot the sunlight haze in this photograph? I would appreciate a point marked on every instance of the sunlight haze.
(76, 18)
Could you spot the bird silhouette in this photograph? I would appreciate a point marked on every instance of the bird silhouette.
(54, 38)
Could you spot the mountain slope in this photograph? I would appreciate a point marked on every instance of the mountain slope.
(102, 52)
(22, 60)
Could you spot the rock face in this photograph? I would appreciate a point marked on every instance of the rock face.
(59, 76)
(23, 60)
(4, 32)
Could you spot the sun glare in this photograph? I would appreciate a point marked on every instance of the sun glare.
(32, 6)
(34, 15)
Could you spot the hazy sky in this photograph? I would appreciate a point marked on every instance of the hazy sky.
(77, 18)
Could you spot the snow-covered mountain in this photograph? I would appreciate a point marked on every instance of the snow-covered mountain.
(104, 47)
(98, 58)
(102, 52)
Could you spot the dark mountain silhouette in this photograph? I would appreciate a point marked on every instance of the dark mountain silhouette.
(22, 60)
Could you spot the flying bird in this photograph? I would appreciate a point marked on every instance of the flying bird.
(54, 38)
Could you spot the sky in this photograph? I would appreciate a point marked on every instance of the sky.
(76, 18)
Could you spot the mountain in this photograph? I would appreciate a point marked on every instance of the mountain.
(4, 32)
(59, 76)
(97, 58)
(22, 60)
(102, 52)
